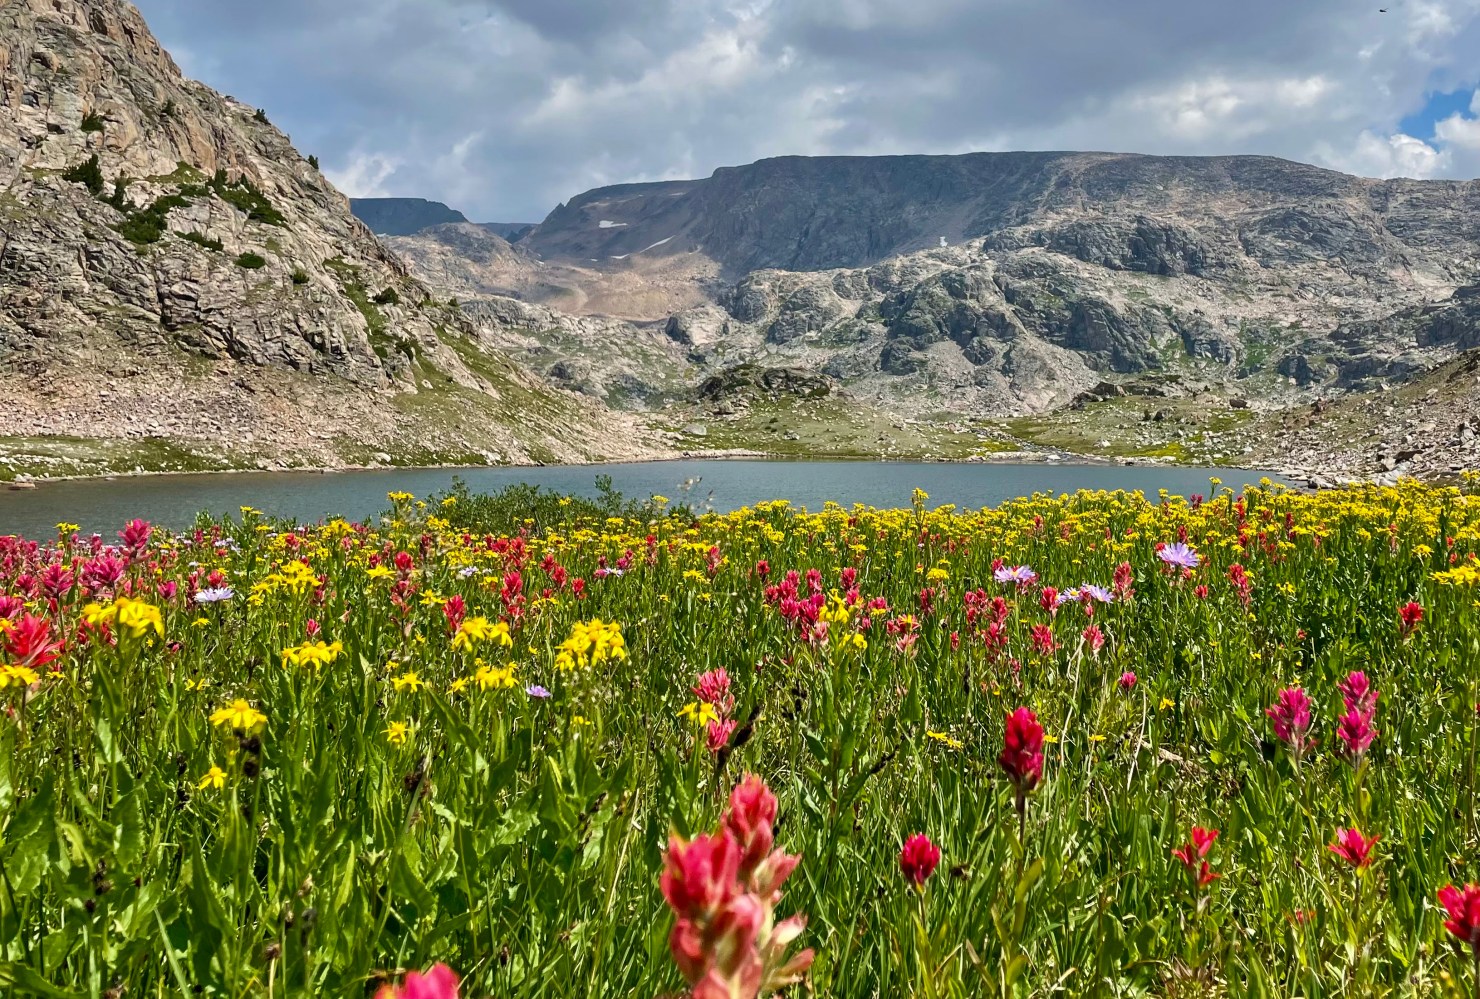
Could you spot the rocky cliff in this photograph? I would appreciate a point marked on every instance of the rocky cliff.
(173, 271)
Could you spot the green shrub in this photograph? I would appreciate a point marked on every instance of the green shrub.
(88, 173)
(150, 224)
(168, 111)
(251, 261)
(313, 161)
(244, 196)
(120, 189)
(92, 122)
(261, 116)
(387, 297)
(300, 276)
(202, 240)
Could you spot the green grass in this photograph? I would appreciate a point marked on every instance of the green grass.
(405, 801)
(55, 456)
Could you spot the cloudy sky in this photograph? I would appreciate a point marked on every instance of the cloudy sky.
(503, 108)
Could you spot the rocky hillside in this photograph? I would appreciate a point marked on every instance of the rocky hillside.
(1008, 284)
(175, 278)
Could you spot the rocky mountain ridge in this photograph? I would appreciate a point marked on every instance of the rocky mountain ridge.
(1003, 285)
(166, 248)
(402, 216)
(407, 216)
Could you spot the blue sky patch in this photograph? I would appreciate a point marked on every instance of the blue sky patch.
(1420, 124)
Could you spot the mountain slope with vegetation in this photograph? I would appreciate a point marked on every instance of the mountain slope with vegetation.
(176, 279)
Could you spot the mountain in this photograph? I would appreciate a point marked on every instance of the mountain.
(406, 216)
(402, 216)
(1009, 285)
(819, 213)
(179, 287)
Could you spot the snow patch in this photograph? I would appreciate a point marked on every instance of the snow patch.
(658, 243)
(609, 224)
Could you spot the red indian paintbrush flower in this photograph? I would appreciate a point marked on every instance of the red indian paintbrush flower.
(1352, 847)
(724, 888)
(713, 688)
(699, 876)
(1193, 854)
(1409, 615)
(1291, 717)
(28, 641)
(1463, 908)
(1356, 733)
(1354, 728)
(1357, 692)
(918, 859)
(717, 736)
(439, 982)
(1022, 753)
(752, 810)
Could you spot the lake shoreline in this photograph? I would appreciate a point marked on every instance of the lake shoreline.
(704, 485)
(28, 483)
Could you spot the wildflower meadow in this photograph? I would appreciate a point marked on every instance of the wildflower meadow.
(1092, 744)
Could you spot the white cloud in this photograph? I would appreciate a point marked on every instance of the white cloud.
(1461, 130)
(503, 108)
(1395, 155)
(365, 174)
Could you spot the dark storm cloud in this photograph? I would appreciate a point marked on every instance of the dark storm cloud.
(505, 107)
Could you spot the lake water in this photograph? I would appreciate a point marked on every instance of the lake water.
(174, 500)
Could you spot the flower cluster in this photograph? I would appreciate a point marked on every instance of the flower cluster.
(723, 887)
(591, 642)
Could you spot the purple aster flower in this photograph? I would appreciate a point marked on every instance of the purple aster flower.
(1070, 595)
(535, 690)
(214, 595)
(1099, 593)
(1019, 574)
(1180, 555)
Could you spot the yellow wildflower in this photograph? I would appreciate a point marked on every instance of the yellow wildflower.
(407, 681)
(591, 642)
(480, 629)
(21, 676)
(396, 733)
(238, 714)
(312, 654)
(701, 713)
(215, 778)
(489, 677)
(942, 737)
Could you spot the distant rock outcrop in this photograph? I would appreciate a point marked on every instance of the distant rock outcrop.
(402, 216)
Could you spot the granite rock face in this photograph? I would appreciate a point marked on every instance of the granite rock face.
(149, 224)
